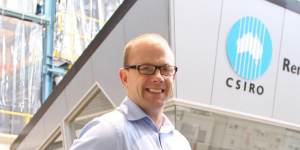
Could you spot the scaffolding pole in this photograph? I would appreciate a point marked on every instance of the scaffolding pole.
(24, 16)
(50, 7)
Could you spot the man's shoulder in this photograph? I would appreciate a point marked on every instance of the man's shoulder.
(114, 118)
(104, 131)
(113, 121)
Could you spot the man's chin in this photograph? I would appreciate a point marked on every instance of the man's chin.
(155, 98)
(158, 102)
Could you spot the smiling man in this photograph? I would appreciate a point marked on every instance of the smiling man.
(148, 75)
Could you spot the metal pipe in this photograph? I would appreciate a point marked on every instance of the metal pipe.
(50, 8)
(23, 16)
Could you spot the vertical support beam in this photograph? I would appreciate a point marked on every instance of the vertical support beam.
(50, 8)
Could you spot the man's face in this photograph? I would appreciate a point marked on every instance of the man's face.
(148, 91)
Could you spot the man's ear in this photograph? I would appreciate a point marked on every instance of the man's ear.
(123, 76)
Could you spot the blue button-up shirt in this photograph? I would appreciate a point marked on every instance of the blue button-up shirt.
(129, 128)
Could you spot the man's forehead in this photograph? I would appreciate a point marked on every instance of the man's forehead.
(152, 48)
(152, 45)
(150, 40)
(152, 54)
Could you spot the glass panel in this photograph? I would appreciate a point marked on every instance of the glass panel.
(23, 6)
(170, 112)
(56, 144)
(96, 106)
(21, 53)
(207, 130)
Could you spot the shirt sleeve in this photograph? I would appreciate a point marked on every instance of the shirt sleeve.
(97, 135)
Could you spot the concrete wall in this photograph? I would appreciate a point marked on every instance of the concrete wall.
(201, 34)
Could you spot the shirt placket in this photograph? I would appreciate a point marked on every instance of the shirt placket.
(159, 141)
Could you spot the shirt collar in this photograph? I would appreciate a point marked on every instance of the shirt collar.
(167, 125)
(133, 112)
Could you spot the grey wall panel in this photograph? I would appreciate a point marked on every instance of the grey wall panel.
(36, 136)
(272, 17)
(288, 84)
(147, 16)
(106, 63)
(196, 33)
(56, 113)
(76, 89)
(23, 145)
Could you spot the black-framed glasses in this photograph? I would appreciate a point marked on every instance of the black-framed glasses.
(147, 69)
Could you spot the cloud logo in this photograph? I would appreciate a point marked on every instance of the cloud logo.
(249, 48)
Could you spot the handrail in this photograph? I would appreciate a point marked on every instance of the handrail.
(233, 113)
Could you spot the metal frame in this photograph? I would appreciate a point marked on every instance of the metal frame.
(48, 22)
(52, 137)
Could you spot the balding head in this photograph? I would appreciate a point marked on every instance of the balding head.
(149, 38)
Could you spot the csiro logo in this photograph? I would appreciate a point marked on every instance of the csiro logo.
(249, 48)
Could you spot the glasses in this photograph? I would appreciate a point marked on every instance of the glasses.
(165, 70)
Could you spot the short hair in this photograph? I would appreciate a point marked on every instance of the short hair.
(132, 43)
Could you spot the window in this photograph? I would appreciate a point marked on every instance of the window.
(95, 103)
(54, 142)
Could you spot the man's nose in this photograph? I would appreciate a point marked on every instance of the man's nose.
(158, 76)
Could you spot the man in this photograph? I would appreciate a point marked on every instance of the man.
(139, 123)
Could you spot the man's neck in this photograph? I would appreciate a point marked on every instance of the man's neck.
(157, 118)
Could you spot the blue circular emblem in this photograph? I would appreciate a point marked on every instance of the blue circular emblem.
(249, 48)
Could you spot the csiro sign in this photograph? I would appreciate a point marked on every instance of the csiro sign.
(249, 48)
(249, 51)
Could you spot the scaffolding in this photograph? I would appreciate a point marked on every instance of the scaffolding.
(20, 69)
(39, 42)
(77, 23)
